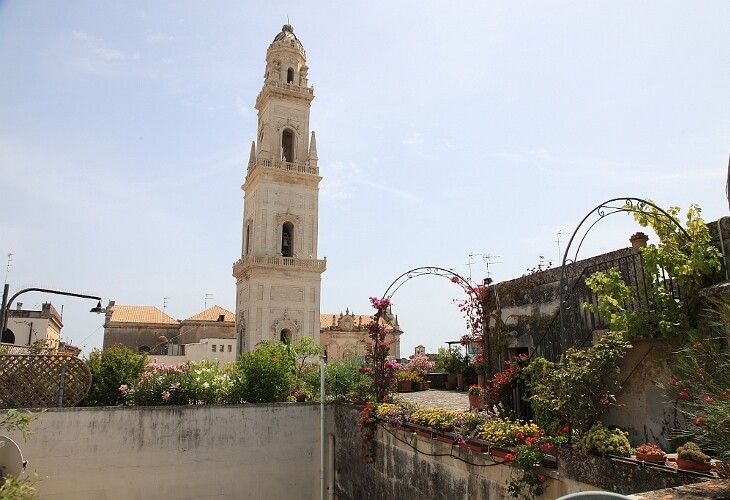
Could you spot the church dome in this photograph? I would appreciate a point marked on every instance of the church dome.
(287, 34)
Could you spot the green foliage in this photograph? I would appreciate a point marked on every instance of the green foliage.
(700, 385)
(449, 359)
(526, 480)
(14, 421)
(344, 381)
(600, 439)
(110, 369)
(692, 451)
(613, 294)
(268, 373)
(13, 488)
(576, 390)
(18, 489)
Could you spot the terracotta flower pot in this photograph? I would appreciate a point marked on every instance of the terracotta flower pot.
(656, 459)
(476, 402)
(694, 466)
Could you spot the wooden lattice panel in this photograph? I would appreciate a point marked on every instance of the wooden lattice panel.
(42, 380)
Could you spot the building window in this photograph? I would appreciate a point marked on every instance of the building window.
(290, 75)
(287, 239)
(247, 241)
(222, 348)
(230, 347)
(213, 347)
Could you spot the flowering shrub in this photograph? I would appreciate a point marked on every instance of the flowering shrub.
(526, 481)
(377, 365)
(503, 432)
(467, 423)
(421, 365)
(268, 373)
(209, 384)
(440, 419)
(158, 385)
(405, 375)
(475, 390)
(368, 427)
(395, 413)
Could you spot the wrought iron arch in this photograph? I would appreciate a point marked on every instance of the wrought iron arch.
(609, 207)
(452, 276)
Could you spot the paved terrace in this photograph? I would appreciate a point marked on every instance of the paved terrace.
(437, 398)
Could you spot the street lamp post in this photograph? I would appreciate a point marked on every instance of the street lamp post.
(5, 306)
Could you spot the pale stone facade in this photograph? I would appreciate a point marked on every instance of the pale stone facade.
(278, 277)
(346, 335)
(38, 328)
(147, 329)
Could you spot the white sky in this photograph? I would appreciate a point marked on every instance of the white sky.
(443, 129)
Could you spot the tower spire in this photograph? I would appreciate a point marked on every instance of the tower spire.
(313, 150)
(252, 156)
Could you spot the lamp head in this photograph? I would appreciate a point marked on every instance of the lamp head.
(98, 309)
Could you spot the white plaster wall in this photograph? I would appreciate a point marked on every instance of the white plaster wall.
(241, 452)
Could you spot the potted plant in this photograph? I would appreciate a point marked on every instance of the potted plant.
(301, 393)
(650, 453)
(476, 397)
(638, 240)
(405, 379)
(600, 439)
(691, 457)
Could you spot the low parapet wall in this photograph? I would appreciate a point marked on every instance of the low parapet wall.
(243, 452)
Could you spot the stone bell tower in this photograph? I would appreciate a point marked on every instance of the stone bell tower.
(278, 277)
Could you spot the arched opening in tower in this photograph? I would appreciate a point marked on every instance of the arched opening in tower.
(285, 336)
(287, 146)
(287, 240)
(290, 75)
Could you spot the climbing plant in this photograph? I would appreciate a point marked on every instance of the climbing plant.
(686, 256)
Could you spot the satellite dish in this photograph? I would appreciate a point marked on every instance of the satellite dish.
(11, 459)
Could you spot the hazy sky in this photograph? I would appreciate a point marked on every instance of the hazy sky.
(444, 129)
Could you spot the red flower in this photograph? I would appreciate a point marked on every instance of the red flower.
(709, 400)
(566, 429)
(697, 345)
(673, 381)
(520, 435)
(454, 279)
(276, 360)
(542, 478)
(684, 394)
(698, 421)
(509, 457)
(531, 440)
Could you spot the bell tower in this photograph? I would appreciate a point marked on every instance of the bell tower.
(278, 277)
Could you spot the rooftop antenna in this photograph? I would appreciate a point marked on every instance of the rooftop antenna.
(9, 265)
(559, 234)
(489, 259)
(207, 296)
(164, 303)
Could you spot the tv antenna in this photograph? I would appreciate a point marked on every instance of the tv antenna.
(165, 300)
(207, 296)
(559, 234)
(8, 266)
(487, 258)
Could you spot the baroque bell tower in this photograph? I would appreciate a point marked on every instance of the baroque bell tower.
(278, 278)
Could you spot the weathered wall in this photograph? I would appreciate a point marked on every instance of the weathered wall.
(410, 467)
(643, 408)
(243, 452)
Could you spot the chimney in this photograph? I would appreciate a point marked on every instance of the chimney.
(19, 306)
